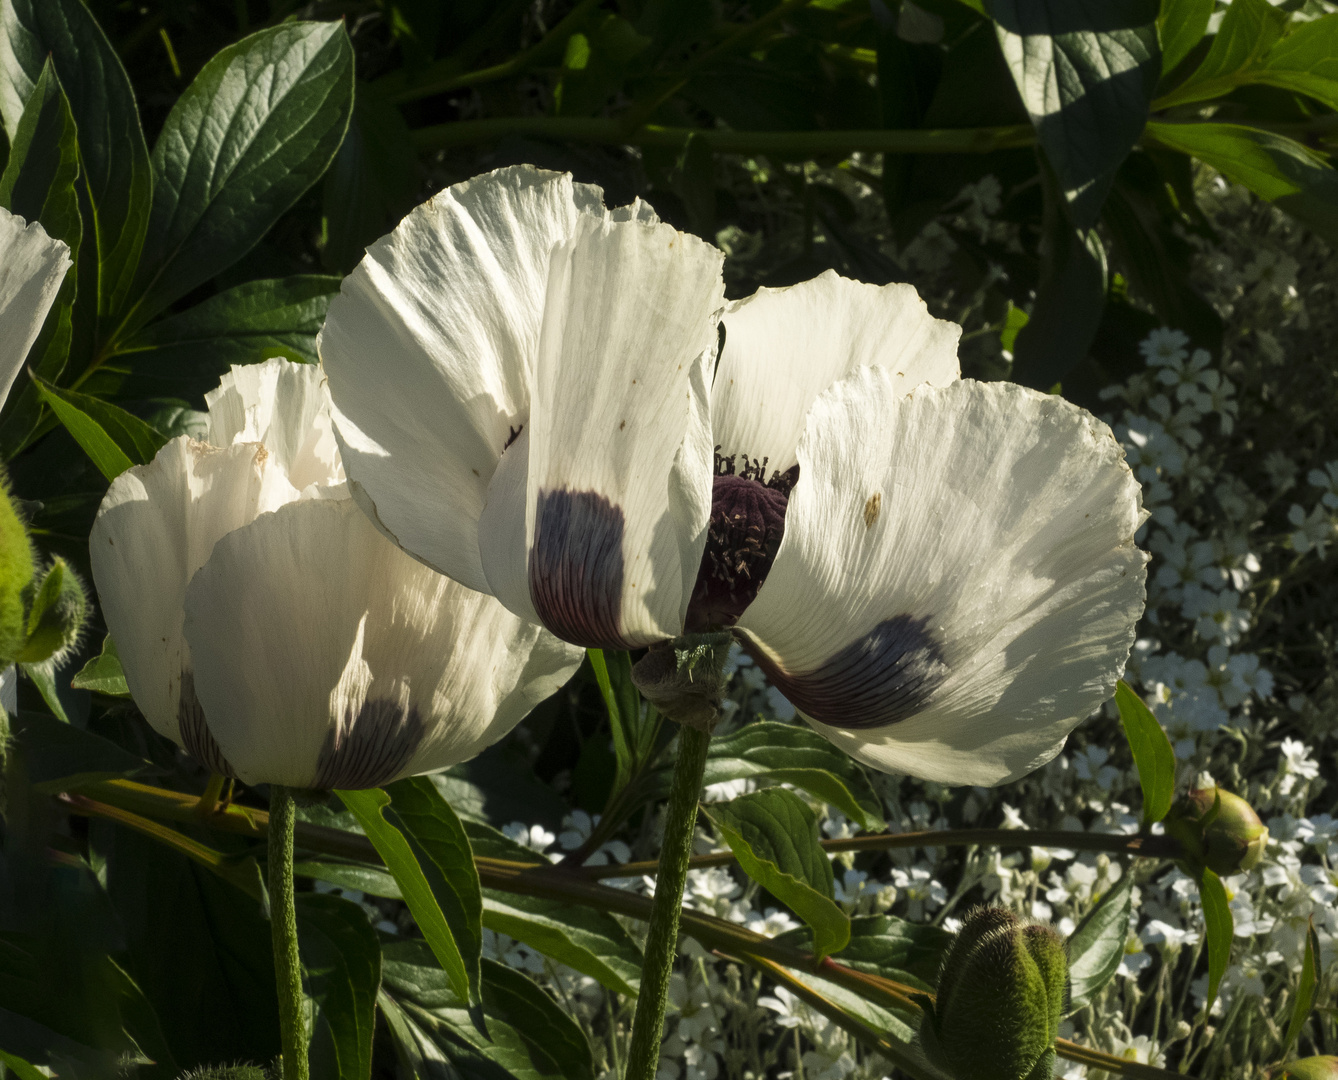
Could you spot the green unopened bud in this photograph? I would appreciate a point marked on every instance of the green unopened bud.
(1324, 1067)
(1218, 830)
(229, 1072)
(685, 678)
(16, 574)
(59, 607)
(1001, 993)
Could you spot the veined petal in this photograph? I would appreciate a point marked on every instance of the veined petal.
(156, 526)
(783, 347)
(958, 584)
(284, 406)
(614, 521)
(326, 657)
(32, 267)
(430, 347)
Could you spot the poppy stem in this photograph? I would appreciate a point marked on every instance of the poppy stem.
(283, 931)
(680, 820)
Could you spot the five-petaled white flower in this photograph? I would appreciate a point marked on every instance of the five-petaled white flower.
(267, 627)
(552, 402)
(32, 268)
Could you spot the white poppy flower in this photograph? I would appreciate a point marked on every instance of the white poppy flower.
(32, 267)
(939, 574)
(321, 654)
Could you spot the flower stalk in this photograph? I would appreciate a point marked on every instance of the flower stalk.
(283, 931)
(643, 1056)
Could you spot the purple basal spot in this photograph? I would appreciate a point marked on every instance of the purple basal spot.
(370, 749)
(576, 568)
(744, 534)
(884, 677)
(196, 737)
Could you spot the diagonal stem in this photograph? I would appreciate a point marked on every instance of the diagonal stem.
(643, 1056)
(283, 933)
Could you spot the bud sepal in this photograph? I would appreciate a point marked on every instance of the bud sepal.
(1218, 830)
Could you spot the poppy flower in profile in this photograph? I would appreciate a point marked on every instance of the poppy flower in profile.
(32, 268)
(266, 626)
(551, 401)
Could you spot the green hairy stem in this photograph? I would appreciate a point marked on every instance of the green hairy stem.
(643, 1057)
(283, 930)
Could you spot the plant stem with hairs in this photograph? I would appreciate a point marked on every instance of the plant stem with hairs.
(283, 933)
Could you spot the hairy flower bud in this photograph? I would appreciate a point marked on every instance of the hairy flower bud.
(56, 615)
(16, 573)
(685, 678)
(1001, 993)
(1219, 830)
(1324, 1067)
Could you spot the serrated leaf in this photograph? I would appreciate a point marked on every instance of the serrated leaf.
(1153, 754)
(1248, 31)
(373, 810)
(774, 835)
(189, 351)
(791, 754)
(531, 1036)
(103, 674)
(341, 961)
(1306, 986)
(254, 130)
(1086, 71)
(1218, 930)
(886, 946)
(1096, 946)
(1181, 25)
(112, 437)
(113, 154)
(443, 851)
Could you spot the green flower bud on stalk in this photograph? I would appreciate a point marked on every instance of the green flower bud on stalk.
(1001, 993)
(16, 574)
(1324, 1067)
(1218, 830)
(56, 615)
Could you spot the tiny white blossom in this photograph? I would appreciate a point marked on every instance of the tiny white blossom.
(1326, 478)
(1314, 531)
(1164, 346)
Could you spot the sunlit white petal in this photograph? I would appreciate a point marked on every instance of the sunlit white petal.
(32, 267)
(326, 657)
(618, 454)
(430, 350)
(958, 584)
(783, 347)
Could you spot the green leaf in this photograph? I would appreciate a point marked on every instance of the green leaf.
(442, 848)
(43, 676)
(341, 958)
(1272, 166)
(1096, 946)
(38, 184)
(1070, 296)
(886, 946)
(790, 754)
(1153, 754)
(58, 756)
(632, 726)
(774, 835)
(112, 437)
(1311, 976)
(103, 673)
(1181, 25)
(246, 324)
(1249, 29)
(373, 810)
(22, 1069)
(1218, 929)
(592, 942)
(255, 129)
(1305, 60)
(372, 182)
(1086, 70)
(372, 880)
(531, 1036)
(116, 176)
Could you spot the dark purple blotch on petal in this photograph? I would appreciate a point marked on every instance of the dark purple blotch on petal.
(884, 677)
(576, 568)
(196, 737)
(371, 748)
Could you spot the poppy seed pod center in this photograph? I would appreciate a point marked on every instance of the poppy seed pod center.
(745, 531)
